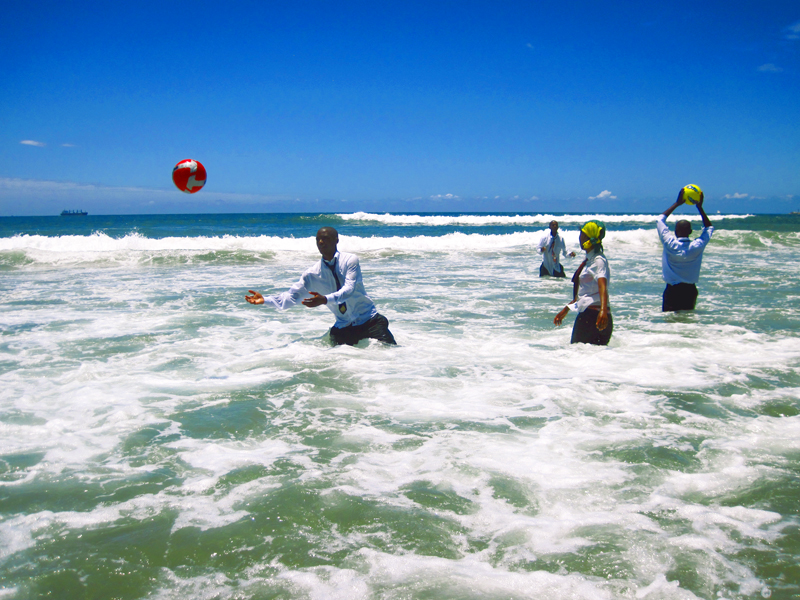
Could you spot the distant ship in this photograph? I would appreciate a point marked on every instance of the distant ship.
(73, 213)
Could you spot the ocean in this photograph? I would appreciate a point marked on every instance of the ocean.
(160, 438)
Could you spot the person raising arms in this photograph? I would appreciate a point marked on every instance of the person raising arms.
(682, 257)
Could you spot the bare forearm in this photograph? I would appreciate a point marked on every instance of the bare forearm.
(678, 202)
(602, 285)
(706, 220)
(671, 209)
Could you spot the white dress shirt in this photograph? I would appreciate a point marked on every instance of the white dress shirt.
(319, 278)
(682, 257)
(588, 288)
(550, 255)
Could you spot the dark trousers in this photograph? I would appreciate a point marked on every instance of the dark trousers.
(377, 328)
(585, 329)
(559, 271)
(681, 296)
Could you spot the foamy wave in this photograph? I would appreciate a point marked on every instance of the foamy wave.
(135, 248)
(133, 242)
(482, 220)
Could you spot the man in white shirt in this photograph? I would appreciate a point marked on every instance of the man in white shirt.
(682, 257)
(336, 282)
(551, 246)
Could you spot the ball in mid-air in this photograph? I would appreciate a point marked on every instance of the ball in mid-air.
(692, 193)
(189, 176)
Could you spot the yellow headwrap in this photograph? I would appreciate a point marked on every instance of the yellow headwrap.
(596, 231)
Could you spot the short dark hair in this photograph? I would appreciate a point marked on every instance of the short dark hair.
(683, 228)
(328, 230)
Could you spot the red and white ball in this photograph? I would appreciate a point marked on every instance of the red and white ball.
(189, 176)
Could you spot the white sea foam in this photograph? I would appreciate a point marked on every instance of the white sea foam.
(133, 249)
(636, 459)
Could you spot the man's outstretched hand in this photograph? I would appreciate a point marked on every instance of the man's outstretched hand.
(256, 298)
(315, 300)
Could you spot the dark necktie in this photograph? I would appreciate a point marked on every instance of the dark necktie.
(552, 245)
(576, 281)
(343, 305)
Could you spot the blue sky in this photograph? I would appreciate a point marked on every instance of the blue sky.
(399, 106)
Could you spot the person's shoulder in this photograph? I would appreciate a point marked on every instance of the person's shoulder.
(600, 265)
(347, 258)
(705, 236)
(314, 269)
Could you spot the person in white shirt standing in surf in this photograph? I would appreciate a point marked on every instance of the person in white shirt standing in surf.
(551, 247)
(336, 282)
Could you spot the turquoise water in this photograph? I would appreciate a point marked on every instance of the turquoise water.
(161, 438)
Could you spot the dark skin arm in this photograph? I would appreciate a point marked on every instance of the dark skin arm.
(256, 298)
(678, 202)
(706, 220)
(602, 315)
(315, 300)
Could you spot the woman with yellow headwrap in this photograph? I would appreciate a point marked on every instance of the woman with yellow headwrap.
(593, 324)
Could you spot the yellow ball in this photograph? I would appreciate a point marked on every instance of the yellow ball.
(692, 193)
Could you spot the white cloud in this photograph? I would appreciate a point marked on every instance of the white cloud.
(68, 145)
(736, 196)
(604, 195)
(793, 31)
(444, 197)
(32, 143)
(770, 68)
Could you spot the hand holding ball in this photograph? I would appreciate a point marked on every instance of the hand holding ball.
(189, 176)
(692, 194)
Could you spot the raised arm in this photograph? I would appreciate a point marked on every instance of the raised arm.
(706, 220)
(672, 208)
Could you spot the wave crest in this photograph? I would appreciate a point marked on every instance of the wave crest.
(517, 219)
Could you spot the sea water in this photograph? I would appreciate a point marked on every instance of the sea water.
(161, 438)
